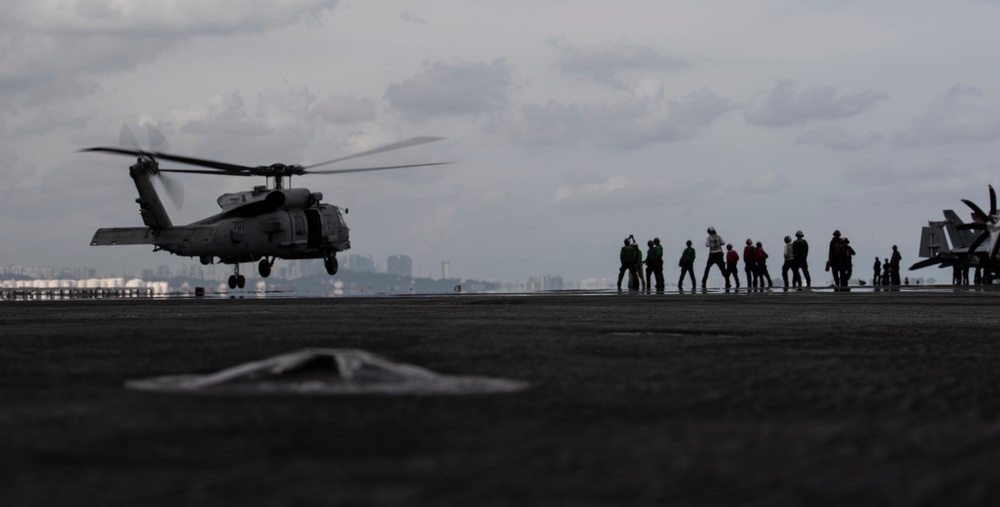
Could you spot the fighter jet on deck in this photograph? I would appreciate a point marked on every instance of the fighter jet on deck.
(966, 248)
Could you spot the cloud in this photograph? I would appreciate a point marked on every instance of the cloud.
(411, 17)
(603, 63)
(344, 110)
(452, 89)
(768, 183)
(926, 174)
(783, 106)
(959, 116)
(836, 138)
(54, 49)
(623, 124)
(613, 187)
(623, 192)
(279, 128)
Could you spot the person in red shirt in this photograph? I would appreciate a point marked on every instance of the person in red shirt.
(750, 263)
(732, 262)
(762, 273)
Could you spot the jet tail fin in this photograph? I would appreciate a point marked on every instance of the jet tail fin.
(959, 239)
(932, 241)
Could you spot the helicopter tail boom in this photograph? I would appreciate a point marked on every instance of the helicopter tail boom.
(170, 238)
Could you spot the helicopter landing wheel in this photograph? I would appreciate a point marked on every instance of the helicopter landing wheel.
(232, 281)
(241, 281)
(264, 268)
(331, 265)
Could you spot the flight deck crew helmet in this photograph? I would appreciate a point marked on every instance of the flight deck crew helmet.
(626, 242)
(788, 239)
(689, 242)
(656, 241)
(729, 246)
(836, 233)
(749, 241)
(798, 234)
(711, 230)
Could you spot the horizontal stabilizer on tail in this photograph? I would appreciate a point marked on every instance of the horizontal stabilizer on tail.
(171, 236)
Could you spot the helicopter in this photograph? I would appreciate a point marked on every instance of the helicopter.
(261, 225)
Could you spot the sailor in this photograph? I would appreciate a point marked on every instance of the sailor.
(800, 252)
(715, 243)
(656, 259)
(894, 265)
(762, 273)
(750, 263)
(877, 272)
(849, 254)
(732, 265)
(835, 259)
(687, 266)
(639, 282)
(627, 257)
(789, 264)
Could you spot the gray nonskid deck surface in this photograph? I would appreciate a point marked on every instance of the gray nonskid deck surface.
(750, 398)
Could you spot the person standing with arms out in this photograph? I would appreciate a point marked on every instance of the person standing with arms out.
(894, 265)
(657, 259)
(732, 265)
(789, 264)
(800, 252)
(716, 257)
(627, 257)
(762, 273)
(687, 266)
(877, 272)
(749, 263)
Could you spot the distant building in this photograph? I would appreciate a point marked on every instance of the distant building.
(400, 265)
(360, 263)
(545, 282)
(445, 269)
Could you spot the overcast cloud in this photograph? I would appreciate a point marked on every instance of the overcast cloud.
(785, 105)
(760, 117)
(604, 63)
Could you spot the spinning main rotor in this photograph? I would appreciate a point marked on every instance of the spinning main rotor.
(277, 171)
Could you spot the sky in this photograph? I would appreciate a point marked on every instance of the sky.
(570, 124)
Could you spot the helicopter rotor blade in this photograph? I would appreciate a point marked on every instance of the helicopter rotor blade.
(366, 169)
(117, 151)
(205, 171)
(126, 138)
(413, 141)
(211, 164)
(157, 141)
(173, 188)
